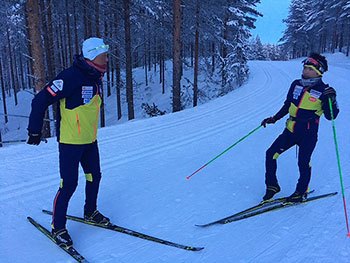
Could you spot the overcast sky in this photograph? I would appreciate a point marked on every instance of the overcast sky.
(270, 27)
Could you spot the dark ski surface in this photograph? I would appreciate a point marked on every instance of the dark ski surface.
(71, 251)
(262, 208)
(129, 232)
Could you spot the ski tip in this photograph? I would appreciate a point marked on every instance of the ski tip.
(194, 248)
(46, 212)
(201, 225)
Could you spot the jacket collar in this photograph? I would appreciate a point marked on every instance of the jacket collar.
(83, 66)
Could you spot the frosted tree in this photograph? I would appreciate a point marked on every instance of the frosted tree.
(295, 37)
(236, 24)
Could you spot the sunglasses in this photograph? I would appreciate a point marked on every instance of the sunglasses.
(102, 47)
(313, 63)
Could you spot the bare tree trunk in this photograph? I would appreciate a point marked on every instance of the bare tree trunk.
(22, 71)
(341, 38)
(12, 70)
(128, 55)
(348, 47)
(76, 31)
(161, 61)
(213, 57)
(86, 27)
(50, 51)
(191, 51)
(145, 58)
(334, 38)
(35, 47)
(69, 47)
(97, 19)
(35, 43)
(155, 54)
(149, 49)
(109, 63)
(163, 70)
(196, 53)
(61, 50)
(3, 93)
(117, 68)
(224, 53)
(177, 55)
(65, 45)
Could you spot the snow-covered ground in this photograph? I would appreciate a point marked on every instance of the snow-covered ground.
(144, 167)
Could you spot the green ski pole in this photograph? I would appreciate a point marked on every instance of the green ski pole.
(339, 167)
(229, 148)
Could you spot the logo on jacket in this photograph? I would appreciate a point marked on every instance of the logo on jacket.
(316, 94)
(297, 91)
(87, 93)
(57, 84)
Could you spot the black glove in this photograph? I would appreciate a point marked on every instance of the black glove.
(268, 120)
(330, 93)
(34, 138)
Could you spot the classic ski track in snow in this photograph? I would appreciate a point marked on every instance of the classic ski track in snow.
(49, 180)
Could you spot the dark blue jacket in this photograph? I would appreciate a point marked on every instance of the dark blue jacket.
(305, 106)
(78, 91)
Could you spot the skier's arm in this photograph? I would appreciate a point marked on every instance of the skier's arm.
(53, 92)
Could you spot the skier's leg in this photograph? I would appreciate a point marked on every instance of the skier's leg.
(91, 166)
(280, 145)
(306, 147)
(69, 157)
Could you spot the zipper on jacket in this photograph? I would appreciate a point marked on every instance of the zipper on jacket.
(98, 112)
(78, 123)
(301, 100)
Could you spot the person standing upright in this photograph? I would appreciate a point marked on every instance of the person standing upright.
(307, 100)
(78, 91)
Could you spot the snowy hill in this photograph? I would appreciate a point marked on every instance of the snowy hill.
(144, 168)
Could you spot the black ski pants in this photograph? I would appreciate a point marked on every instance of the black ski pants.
(69, 157)
(306, 141)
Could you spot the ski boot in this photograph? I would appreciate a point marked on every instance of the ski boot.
(296, 197)
(62, 238)
(96, 217)
(271, 190)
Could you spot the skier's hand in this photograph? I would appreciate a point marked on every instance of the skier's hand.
(330, 93)
(34, 138)
(269, 120)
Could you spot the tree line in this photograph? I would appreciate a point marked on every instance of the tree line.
(317, 25)
(41, 37)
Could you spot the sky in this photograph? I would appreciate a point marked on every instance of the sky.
(270, 27)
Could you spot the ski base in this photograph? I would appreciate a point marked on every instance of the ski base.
(265, 207)
(129, 232)
(71, 250)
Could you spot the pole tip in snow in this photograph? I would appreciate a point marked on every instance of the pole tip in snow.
(348, 235)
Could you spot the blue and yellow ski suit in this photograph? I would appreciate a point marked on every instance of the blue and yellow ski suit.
(78, 93)
(305, 106)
